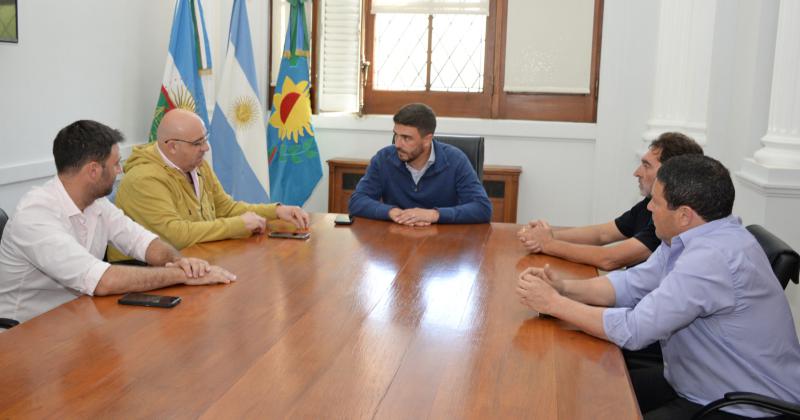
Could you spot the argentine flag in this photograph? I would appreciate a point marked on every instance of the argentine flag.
(237, 134)
(187, 74)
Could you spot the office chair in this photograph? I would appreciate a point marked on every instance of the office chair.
(472, 146)
(3, 220)
(786, 266)
(5, 323)
(749, 398)
(784, 260)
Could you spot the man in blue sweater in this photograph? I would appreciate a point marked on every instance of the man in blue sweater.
(418, 181)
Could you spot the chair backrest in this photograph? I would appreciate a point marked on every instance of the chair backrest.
(784, 260)
(472, 146)
(3, 220)
(5, 323)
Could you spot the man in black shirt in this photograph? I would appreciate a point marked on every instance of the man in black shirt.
(633, 231)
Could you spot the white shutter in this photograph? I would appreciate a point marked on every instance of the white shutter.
(340, 55)
(549, 46)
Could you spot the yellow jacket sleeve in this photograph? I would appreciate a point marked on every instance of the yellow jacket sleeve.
(226, 206)
(167, 207)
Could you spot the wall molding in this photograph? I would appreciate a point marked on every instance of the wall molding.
(517, 129)
(30, 171)
(769, 182)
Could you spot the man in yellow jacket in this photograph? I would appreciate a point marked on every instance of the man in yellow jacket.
(171, 190)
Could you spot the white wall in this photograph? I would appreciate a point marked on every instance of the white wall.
(744, 48)
(89, 59)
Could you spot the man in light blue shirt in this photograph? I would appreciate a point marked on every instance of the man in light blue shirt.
(707, 294)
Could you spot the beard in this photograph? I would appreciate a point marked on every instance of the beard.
(107, 191)
(408, 156)
(643, 191)
(104, 190)
(105, 186)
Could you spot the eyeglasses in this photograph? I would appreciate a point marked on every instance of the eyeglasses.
(196, 143)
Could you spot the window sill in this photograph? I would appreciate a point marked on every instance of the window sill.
(465, 126)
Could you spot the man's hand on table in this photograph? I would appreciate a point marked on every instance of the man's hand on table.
(254, 223)
(539, 289)
(535, 236)
(192, 267)
(414, 217)
(295, 215)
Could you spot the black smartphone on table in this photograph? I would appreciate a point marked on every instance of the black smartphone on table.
(290, 235)
(343, 219)
(144, 299)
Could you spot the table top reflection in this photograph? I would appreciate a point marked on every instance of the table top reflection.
(373, 320)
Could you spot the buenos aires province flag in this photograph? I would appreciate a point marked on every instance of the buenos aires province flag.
(237, 134)
(294, 162)
(187, 74)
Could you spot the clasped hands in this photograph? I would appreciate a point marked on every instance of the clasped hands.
(414, 217)
(540, 289)
(195, 269)
(535, 235)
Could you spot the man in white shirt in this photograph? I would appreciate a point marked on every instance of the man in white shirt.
(52, 248)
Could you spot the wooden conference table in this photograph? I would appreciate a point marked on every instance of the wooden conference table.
(374, 320)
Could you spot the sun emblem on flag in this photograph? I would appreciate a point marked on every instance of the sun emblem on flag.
(292, 112)
(181, 97)
(244, 111)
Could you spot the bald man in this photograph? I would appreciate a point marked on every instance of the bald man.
(171, 190)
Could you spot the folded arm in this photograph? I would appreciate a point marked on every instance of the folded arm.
(366, 199)
(226, 206)
(607, 258)
(124, 279)
(579, 302)
(169, 268)
(602, 234)
(54, 251)
(148, 201)
(698, 286)
(584, 244)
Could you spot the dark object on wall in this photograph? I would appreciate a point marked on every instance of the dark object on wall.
(8, 21)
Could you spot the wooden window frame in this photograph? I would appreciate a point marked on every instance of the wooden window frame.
(457, 104)
(493, 102)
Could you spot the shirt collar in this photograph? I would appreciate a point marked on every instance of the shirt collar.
(193, 173)
(705, 228)
(170, 163)
(69, 206)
